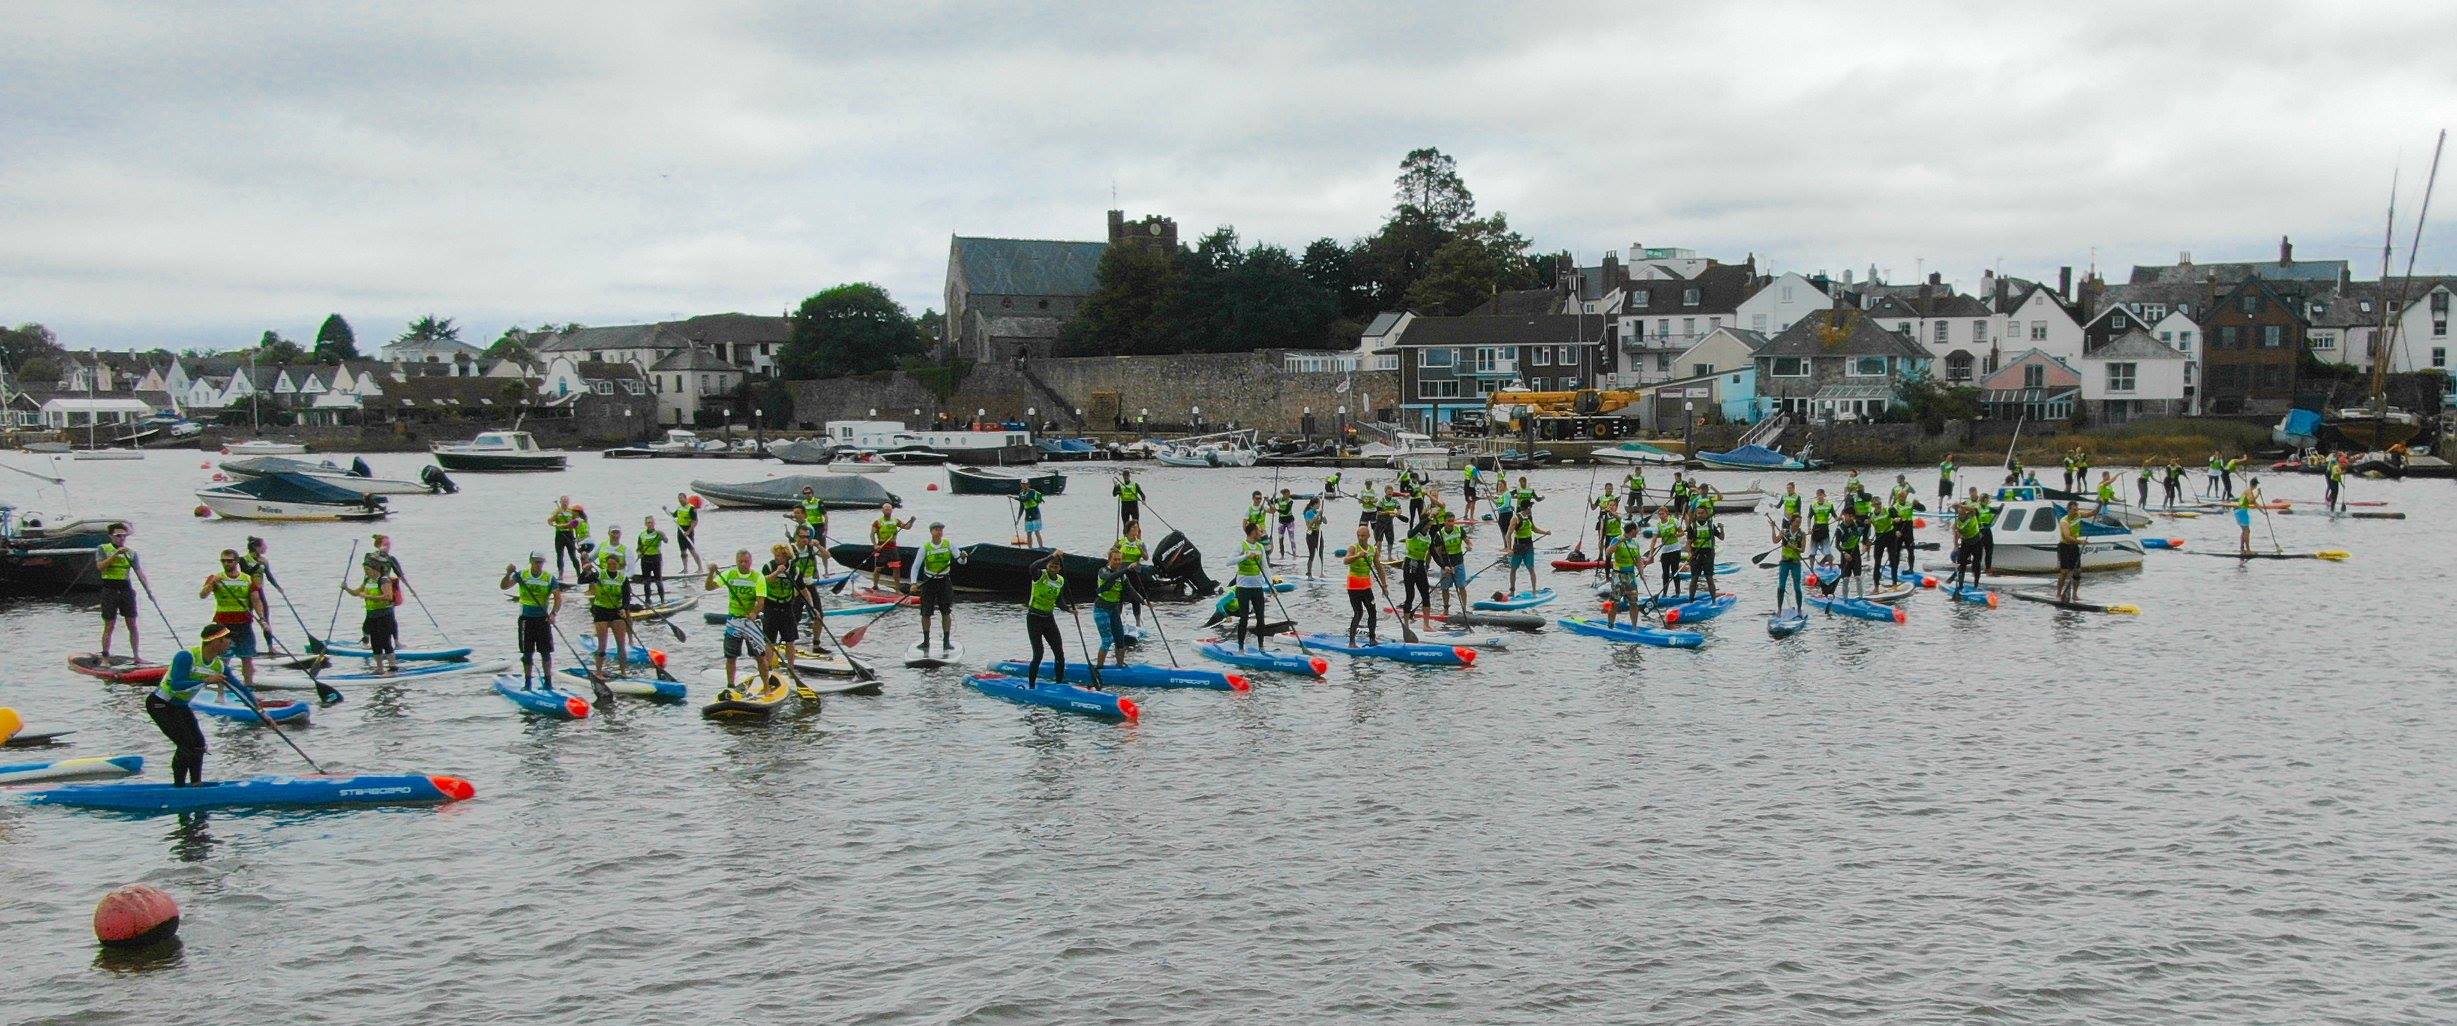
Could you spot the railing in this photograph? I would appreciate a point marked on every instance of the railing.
(1767, 430)
(1065, 408)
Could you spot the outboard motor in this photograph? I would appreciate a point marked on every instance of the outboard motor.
(1178, 565)
(437, 481)
(359, 467)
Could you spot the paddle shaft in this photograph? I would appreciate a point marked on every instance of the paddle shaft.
(819, 619)
(1163, 631)
(335, 622)
(250, 695)
(1094, 658)
(415, 597)
(605, 695)
(325, 693)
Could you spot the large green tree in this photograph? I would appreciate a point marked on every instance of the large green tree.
(335, 341)
(30, 354)
(431, 328)
(849, 329)
(273, 350)
(1429, 185)
(1137, 295)
(1483, 258)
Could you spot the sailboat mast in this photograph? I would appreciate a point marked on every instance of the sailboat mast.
(2393, 316)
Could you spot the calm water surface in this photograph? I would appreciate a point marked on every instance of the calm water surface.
(2234, 808)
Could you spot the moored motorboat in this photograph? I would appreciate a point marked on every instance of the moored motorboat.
(357, 478)
(261, 447)
(1756, 457)
(1637, 452)
(962, 480)
(2026, 536)
(287, 496)
(859, 462)
(498, 452)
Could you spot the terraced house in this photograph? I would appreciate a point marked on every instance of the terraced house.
(1448, 364)
(1838, 363)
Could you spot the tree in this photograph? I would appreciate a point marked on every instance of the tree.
(274, 350)
(930, 328)
(849, 329)
(335, 341)
(1136, 295)
(31, 353)
(1429, 184)
(517, 344)
(1484, 258)
(431, 328)
(1931, 402)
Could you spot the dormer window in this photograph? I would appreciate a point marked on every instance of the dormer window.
(1689, 297)
(1638, 300)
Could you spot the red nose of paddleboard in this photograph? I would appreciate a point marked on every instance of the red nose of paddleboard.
(1128, 709)
(1467, 656)
(1237, 682)
(577, 707)
(1899, 617)
(455, 788)
(1321, 665)
(1672, 616)
(1992, 600)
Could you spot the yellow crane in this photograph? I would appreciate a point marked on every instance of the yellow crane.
(1506, 409)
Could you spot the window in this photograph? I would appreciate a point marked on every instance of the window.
(2227, 337)
(602, 387)
(1868, 367)
(2120, 377)
(1637, 299)
(1788, 367)
(1939, 334)
(2439, 357)
(1663, 326)
(1757, 323)
(2188, 373)
(631, 387)
(1439, 356)
(1689, 297)
(2115, 322)
(1700, 370)
(1689, 327)
(1663, 362)
(2324, 340)
(1957, 366)
(678, 384)
(2034, 376)
(1543, 357)
(2367, 306)
(2184, 341)
(2272, 336)
(1568, 357)
(1979, 331)
(1445, 388)
(2249, 303)
(2038, 331)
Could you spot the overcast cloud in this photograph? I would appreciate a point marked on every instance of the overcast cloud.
(189, 175)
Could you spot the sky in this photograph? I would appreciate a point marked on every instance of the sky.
(190, 175)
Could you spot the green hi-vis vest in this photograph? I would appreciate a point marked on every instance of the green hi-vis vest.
(1454, 540)
(534, 590)
(1791, 546)
(686, 515)
(561, 520)
(607, 592)
(1113, 592)
(937, 557)
(1360, 562)
(1030, 500)
(1882, 520)
(381, 598)
(743, 590)
(1250, 559)
(1131, 549)
(1971, 524)
(1626, 553)
(1847, 539)
(115, 562)
(652, 542)
(1821, 512)
(1045, 591)
(1791, 504)
(884, 530)
(169, 688)
(230, 592)
(1702, 534)
(814, 512)
(1130, 492)
(1419, 547)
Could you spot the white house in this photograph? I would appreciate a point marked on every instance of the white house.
(2133, 377)
(462, 357)
(1658, 318)
(687, 381)
(1779, 303)
(2033, 318)
(1723, 349)
(1957, 330)
(63, 412)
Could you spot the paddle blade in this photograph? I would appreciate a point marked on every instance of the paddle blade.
(854, 637)
(327, 693)
(2127, 609)
(2332, 555)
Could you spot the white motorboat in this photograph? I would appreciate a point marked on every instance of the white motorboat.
(994, 448)
(859, 462)
(2026, 536)
(357, 477)
(1637, 452)
(498, 451)
(284, 496)
(1223, 449)
(260, 447)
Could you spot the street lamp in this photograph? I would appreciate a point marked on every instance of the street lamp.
(1689, 424)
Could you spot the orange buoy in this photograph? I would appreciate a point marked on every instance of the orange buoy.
(933, 486)
(203, 511)
(134, 916)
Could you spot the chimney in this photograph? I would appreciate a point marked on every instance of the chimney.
(2346, 276)
(1846, 276)
(1987, 283)
(2064, 283)
(1935, 278)
(1117, 224)
(2286, 251)
(2004, 293)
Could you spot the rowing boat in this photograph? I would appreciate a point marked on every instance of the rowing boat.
(1134, 675)
(72, 769)
(1651, 636)
(1053, 695)
(262, 792)
(542, 699)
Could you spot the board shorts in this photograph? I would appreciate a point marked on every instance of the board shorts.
(881, 558)
(937, 595)
(652, 566)
(118, 600)
(2243, 517)
(536, 636)
(2068, 556)
(735, 640)
(1032, 524)
(1454, 575)
(780, 622)
(600, 614)
(242, 637)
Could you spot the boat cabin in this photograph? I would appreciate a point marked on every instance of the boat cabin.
(505, 441)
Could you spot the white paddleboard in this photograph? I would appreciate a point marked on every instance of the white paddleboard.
(925, 656)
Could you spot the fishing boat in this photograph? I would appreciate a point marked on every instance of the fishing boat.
(260, 447)
(1219, 449)
(859, 461)
(786, 492)
(978, 481)
(2026, 535)
(1637, 452)
(1756, 457)
(285, 496)
(498, 452)
(357, 477)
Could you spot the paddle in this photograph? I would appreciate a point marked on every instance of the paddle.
(854, 637)
(325, 693)
(414, 596)
(597, 685)
(250, 695)
(1759, 560)
(314, 645)
(1407, 631)
(861, 670)
(1080, 643)
(1163, 631)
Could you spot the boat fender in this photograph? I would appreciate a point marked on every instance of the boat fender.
(135, 916)
(203, 511)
